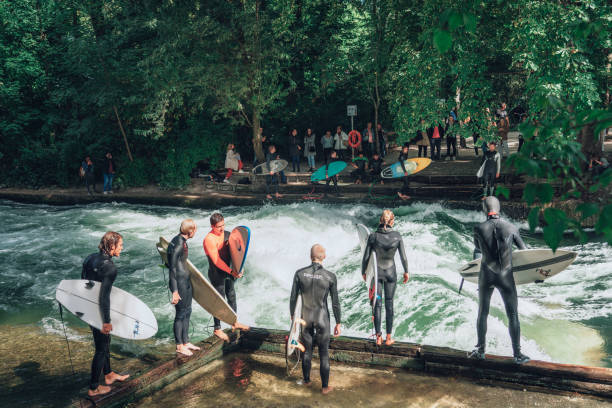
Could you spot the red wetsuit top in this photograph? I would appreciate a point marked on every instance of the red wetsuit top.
(216, 248)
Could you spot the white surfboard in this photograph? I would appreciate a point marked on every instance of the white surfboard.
(528, 265)
(296, 328)
(203, 291)
(372, 268)
(130, 317)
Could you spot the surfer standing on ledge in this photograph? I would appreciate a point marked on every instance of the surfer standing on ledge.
(314, 283)
(180, 286)
(385, 242)
(222, 277)
(493, 239)
(99, 267)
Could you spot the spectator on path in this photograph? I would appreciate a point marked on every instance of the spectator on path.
(597, 165)
(340, 142)
(264, 146)
(109, 173)
(232, 162)
(295, 149)
(422, 139)
(272, 178)
(333, 179)
(376, 165)
(90, 179)
(451, 138)
(503, 127)
(490, 170)
(327, 142)
(382, 140)
(368, 140)
(310, 148)
(435, 133)
(360, 163)
(403, 193)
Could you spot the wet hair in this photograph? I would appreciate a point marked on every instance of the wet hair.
(109, 241)
(386, 219)
(317, 252)
(215, 218)
(187, 226)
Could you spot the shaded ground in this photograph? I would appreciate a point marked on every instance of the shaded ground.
(35, 367)
(260, 380)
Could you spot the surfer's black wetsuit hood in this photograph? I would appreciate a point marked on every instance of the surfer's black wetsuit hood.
(491, 207)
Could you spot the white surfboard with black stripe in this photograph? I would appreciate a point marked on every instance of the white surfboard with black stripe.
(528, 265)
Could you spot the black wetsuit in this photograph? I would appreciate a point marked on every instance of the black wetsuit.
(493, 239)
(271, 179)
(385, 243)
(375, 168)
(492, 166)
(314, 283)
(179, 281)
(406, 185)
(332, 179)
(221, 280)
(99, 267)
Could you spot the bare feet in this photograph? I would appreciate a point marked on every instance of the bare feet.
(326, 390)
(221, 334)
(101, 390)
(112, 377)
(268, 196)
(378, 340)
(192, 346)
(277, 195)
(403, 196)
(182, 349)
(389, 340)
(240, 326)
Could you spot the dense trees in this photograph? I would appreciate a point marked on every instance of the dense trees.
(182, 78)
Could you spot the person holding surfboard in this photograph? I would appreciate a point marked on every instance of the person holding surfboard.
(314, 283)
(493, 239)
(403, 193)
(99, 267)
(180, 286)
(385, 243)
(221, 275)
(332, 158)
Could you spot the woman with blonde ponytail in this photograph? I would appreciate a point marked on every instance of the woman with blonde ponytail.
(385, 243)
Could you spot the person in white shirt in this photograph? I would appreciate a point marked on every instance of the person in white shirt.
(340, 142)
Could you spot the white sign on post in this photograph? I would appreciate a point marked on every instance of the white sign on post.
(351, 110)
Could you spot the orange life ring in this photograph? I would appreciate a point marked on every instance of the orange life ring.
(354, 138)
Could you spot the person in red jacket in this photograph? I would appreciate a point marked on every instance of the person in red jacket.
(221, 275)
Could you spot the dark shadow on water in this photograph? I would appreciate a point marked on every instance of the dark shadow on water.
(41, 390)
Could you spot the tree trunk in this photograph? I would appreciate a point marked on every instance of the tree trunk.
(257, 146)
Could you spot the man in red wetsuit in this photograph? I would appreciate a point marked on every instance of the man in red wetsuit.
(221, 275)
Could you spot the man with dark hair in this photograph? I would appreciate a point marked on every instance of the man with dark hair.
(221, 275)
(493, 240)
(180, 286)
(315, 283)
(99, 267)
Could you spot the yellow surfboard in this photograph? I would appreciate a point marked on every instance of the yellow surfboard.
(412, 166)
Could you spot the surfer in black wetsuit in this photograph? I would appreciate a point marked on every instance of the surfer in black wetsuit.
(490, 169)
(272, 178)
(99, 267)
(403, 193)
(493, 239)
(315, 283)
(180, 286)
(333, 179)
(385, 242)
(221, 275)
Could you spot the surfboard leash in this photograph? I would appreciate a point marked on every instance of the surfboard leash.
(68, 346)
(384, 197)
